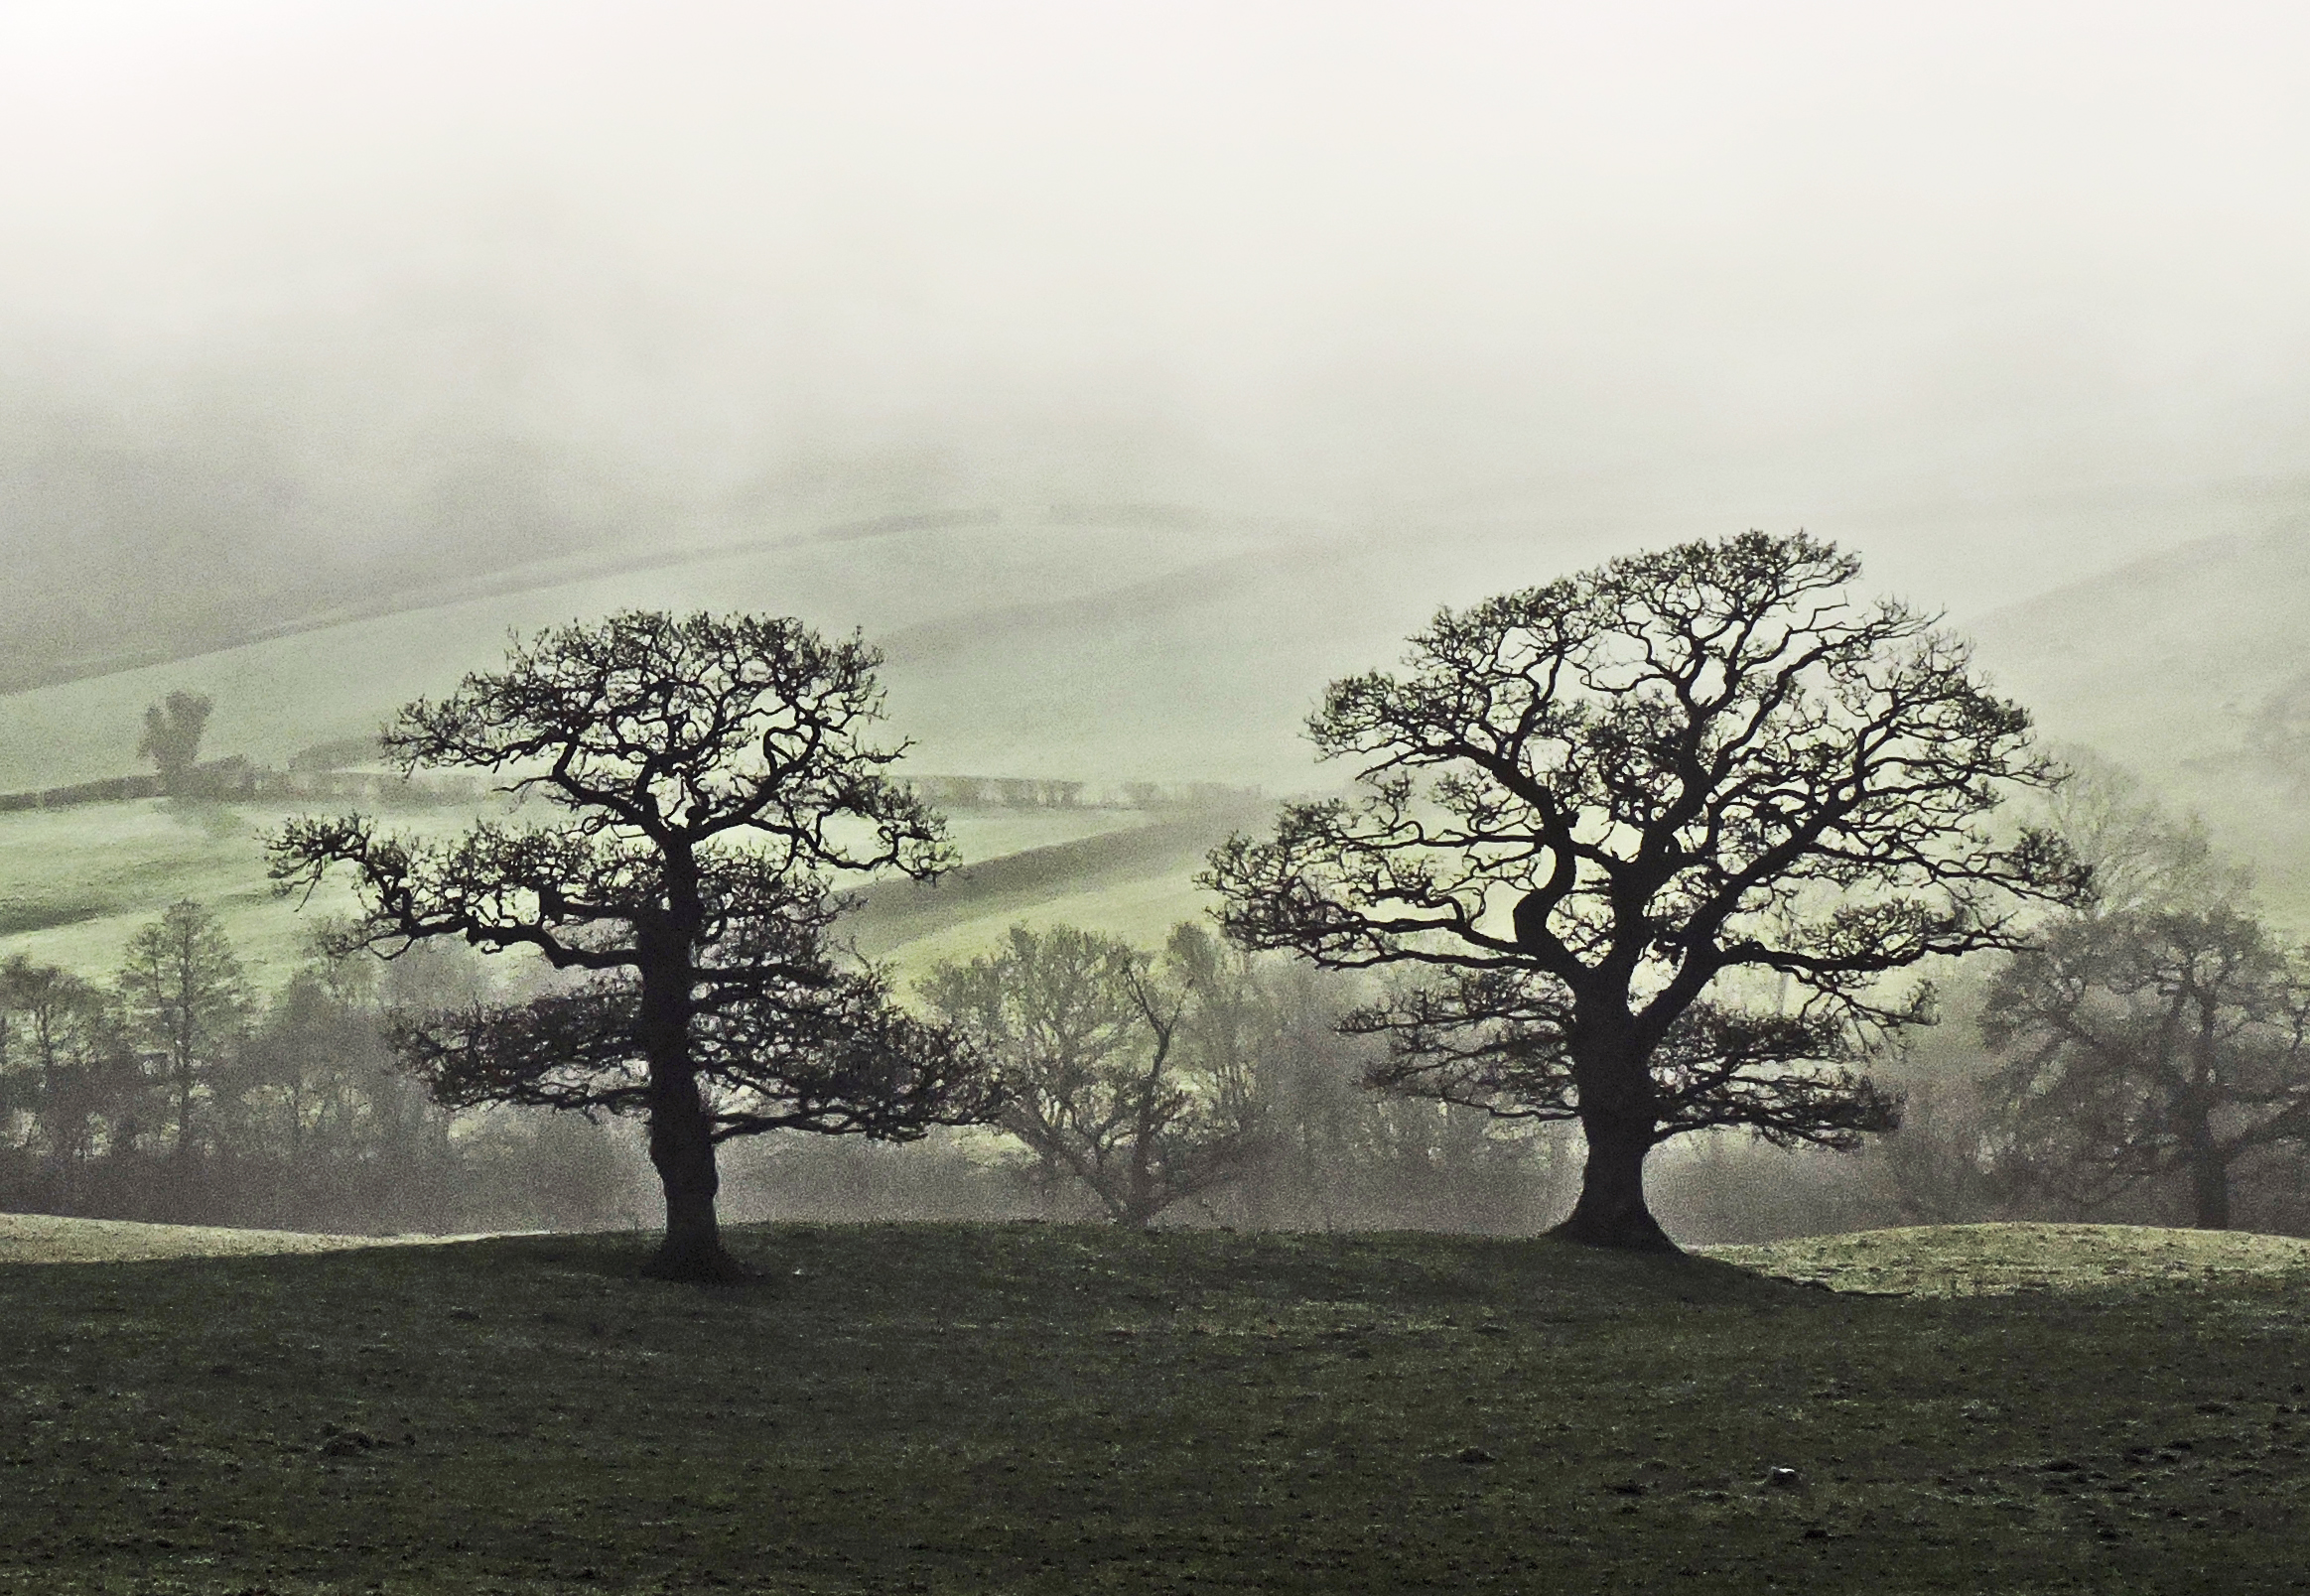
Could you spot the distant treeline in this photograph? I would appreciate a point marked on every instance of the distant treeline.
(1037, 792)
(176, 1093)
(339, 772)
(237, 780)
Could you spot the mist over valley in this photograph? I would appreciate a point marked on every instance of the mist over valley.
(679, 659)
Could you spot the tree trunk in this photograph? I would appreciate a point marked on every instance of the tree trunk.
(183, 1071)
(682, 1147)
(1612, 1210)
(2209, 1169)
(1612, 1070)
(681, 1136)
(2210, 1191)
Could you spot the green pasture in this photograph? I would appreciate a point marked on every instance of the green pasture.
(77, 883)
(1048, 1408)
(1014, 650)
(1135, 885)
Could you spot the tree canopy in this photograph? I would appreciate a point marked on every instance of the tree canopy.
(1640, 847)
(710, 774)
(172, 738)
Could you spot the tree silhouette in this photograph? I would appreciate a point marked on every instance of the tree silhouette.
(1115, 1067)
(710, 773)
(1645, 841)
(172, 738)
(185, 1006)
(64, 1068)
(2141, 1043)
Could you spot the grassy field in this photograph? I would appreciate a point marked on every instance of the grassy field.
(1059, 1409)
(1011, 648)
(77, 883)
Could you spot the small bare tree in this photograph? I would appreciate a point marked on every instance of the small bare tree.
(187, 1007)
(1116, 1079)
(2144, 1043)
(65, 1067)
(172, 738)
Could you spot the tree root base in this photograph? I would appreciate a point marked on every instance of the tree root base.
(689, 1266)
(1639, 1232)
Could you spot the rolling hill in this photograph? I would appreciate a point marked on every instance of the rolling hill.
(1126, 648)
(2164, 665)
(322, 683)
(77, 883)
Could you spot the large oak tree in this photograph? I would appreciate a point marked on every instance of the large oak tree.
(710, 774)
(1641, 846)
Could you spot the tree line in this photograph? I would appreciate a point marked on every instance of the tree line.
(177, 1093)
(1197, 1082)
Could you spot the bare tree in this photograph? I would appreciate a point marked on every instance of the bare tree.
(711, 771)
(2137, 855)
(2144, 1043)
(1121, 1074)
(187, 1006)
(2278, 737)
(66, 1074)
(1644, 842)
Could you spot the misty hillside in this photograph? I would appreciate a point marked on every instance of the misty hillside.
(129, 546)
(1130, 646)
(1120, 647)
(1114, 645)
(944, 599)
(2190, 668)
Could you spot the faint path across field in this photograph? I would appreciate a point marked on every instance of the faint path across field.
(1993, 1260)
(47, 1239)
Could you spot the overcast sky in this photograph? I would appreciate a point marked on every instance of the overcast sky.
(1835, 264)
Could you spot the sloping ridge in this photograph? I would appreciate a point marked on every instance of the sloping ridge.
(2004, 1258)
(293, 690)
(2158, 661)
(891, 913)
(2165, 666)
(51, 1239)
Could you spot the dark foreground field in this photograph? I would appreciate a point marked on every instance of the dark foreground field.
(1053, 1409)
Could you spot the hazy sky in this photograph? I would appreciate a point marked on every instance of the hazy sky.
(1731, 264)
